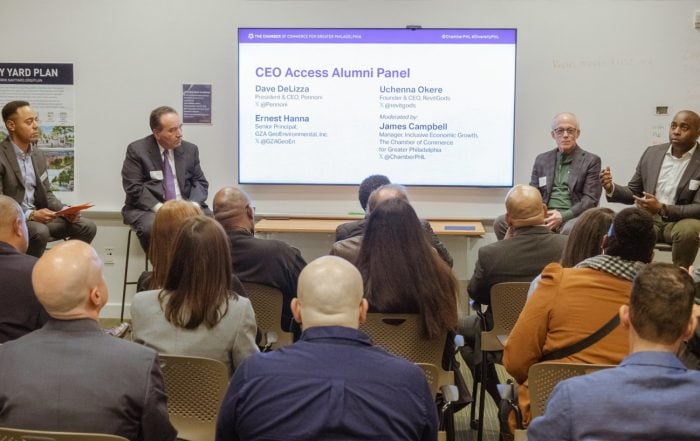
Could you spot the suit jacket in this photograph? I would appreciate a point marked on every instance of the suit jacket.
(648, 397)
(20, 311)
(646, 176)
(584, 178)
(142, 176)
(62, 378)
(230, 341)
(357, 228)
(12, 183)
(518, 259)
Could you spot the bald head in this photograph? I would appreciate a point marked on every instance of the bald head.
(68, 281)
(329, 293)
(13, 228)
(524, 207)
(232, 208)
(565, 117)
(386, 192)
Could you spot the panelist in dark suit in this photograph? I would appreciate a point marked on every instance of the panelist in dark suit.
(20, 311)
(24, 178)
(666, 185)
(567, 177)
(62, 376)
(158, 168)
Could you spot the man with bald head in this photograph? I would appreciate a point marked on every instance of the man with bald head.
(20, 311)
(59, 377)
(566, 177)
(266, 261)
(332, 383)
(665, 185)
(349, 248)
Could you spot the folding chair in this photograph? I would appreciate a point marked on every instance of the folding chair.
(8, 434)
(267, 304)
(507, 301)
(195, 387)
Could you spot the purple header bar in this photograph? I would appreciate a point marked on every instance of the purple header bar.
(369, 36)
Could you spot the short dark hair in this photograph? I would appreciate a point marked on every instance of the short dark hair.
(632, 236)
(154, 120)
(661, 302)
(368, 185)
(586, 236)
(10, 108)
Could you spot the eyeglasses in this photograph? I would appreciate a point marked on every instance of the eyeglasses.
(569, 130)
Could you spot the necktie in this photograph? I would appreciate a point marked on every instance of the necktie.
(168, 178)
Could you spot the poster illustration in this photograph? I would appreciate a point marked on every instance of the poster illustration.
(49, 90)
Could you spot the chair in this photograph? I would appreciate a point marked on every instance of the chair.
(400, 334)
(432, 375)
(195, 387)
(542, 377)
(267, 304)
(507, 301)
(126, 271)
(7, 434)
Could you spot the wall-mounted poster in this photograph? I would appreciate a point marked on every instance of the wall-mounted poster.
(49, 90)
(196, 103)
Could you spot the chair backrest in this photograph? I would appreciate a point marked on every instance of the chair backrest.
(195, 386)
(400, 334)
(267, 304)
(8, 434)
(542, 377)
(432, 375)
(507, 301)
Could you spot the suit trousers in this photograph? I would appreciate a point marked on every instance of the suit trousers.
(59, 228)
(683, 237)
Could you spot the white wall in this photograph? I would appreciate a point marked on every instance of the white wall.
(609, 61)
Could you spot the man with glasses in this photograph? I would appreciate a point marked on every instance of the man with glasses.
(665, 185)
(566, 176)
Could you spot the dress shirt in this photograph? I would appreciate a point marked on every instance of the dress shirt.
(26, 167)
(333, 384)
(672, 170)
(560, 198)
(650, 396)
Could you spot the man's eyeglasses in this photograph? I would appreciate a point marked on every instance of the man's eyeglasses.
(569, 130)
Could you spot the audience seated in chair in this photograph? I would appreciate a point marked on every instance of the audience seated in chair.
(266, 261)
(570, 304)
(651, 395)
(20, 311)
(196, 313)
(71, 376)
(332, 383)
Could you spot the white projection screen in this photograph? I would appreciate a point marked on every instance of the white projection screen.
(429, 107)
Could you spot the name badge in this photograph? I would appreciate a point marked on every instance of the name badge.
(45, 175)
(694, 184)
(157, 174)
(543, 181)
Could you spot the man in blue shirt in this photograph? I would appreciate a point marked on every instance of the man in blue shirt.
(333, 383)
(650, 395)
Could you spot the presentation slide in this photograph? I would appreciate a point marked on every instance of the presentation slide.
(429, 107)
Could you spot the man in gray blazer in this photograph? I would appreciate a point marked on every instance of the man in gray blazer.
(149, 180)
(567, 177)
(71, 376)
(24, 178)
(666, 185)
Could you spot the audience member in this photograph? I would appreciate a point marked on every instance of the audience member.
(24, 178)
(266, 261)
(166, 224)
(585, 239)
(665, 185)
(61, 377)
(158, 168)
(571, 304)
(20, 311)
(566, 176)
(348, 236)
(196, 313)
(650, 395)
(332, 383)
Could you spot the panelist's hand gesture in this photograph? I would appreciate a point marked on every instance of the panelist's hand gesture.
(606, 179)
